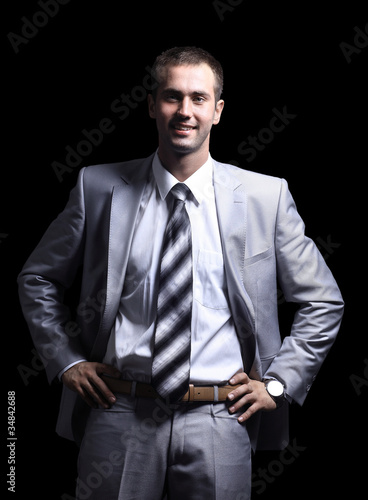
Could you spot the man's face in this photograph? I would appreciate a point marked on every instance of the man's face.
(185, 108)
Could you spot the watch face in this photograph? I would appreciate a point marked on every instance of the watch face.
(275, 388)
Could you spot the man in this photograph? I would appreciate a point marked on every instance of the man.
(175, 366)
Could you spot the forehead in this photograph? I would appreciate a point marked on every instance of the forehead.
(188, 78)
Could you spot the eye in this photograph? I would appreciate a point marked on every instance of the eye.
(199, 99)
(171, 97)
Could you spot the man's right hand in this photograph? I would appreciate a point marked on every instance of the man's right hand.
(84, 378)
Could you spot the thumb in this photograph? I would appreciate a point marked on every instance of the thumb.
(104, 369)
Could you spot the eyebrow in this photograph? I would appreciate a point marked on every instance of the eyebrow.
(179, 92)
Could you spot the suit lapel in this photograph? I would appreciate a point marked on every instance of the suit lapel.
(231, 203)
(125, 201)
(231, 210)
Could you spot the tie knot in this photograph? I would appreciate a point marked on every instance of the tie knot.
(181, 191)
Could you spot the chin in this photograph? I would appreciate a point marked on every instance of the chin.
(183, 147)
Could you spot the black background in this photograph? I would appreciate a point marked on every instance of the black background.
(66, 78)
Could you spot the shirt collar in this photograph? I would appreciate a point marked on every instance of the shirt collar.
(198, 182)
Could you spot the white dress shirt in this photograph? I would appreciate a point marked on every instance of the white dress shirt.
(215, 349)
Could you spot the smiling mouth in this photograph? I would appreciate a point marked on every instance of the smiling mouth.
(183, 128)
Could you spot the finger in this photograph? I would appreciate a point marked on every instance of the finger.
(87, 398)
(240, 403)
(93, 396)
(101, 393)
(239, 378)
(110, 370)
(238, 393)
(245, 388)
(249, 413)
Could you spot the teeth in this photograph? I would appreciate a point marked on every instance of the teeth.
(183, 128)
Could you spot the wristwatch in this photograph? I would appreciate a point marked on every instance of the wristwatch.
(276, 390)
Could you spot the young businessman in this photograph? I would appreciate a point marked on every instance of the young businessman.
(180, 371)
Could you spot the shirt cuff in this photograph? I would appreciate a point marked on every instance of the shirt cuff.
(61, 372)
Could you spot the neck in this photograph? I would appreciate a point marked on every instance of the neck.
(182, 166)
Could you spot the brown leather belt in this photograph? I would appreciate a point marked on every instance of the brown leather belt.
(195, 393)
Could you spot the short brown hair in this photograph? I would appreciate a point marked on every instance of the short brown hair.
(178, 56)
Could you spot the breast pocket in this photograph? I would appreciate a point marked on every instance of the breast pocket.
(210, 286)
(259, 257)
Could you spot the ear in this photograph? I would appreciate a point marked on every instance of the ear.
(218, 110)
(151, 106)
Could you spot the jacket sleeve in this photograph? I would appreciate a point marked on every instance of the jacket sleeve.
(48, 272)
(306, 280)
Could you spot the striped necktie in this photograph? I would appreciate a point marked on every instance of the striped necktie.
(171, 357)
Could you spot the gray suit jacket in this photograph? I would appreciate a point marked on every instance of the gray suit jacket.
(263, 245)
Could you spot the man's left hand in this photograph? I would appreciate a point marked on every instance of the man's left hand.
(251, 392)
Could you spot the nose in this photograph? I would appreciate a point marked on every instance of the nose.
(185, 108)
